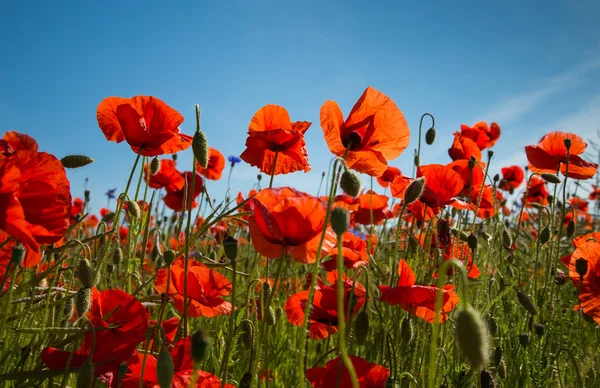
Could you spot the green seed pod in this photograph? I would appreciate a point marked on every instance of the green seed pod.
(246, 380)
(85, 272)
(487, 380)
(123, 367)
(539, 329)
(430, 136)
(406, 331)
(524, 339)
(498, 352)
(230, 246)
(492, 325)
(339, 221)
(164, 369)
(266, 289)
(526, 302)
(551, 178)
(17, 254)
(507, 239)
(501, 370)
(200, 345)
(581, 266)
(570, 229)
(200, 148)
(169, 256)
(496, 178)
(85, 377)
(270, 316)
(417, 160)
(68, 308)
(544, 235)
(133, 209)
(350, 183)
(117, 257)
(83, 301)
(472, 337)
(567, 143)
(414, 190)
(472, 241)
(154, 165)
(76, 161)
(247, 336)
(361, 326)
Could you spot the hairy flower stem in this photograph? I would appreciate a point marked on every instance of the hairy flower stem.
(231, 334)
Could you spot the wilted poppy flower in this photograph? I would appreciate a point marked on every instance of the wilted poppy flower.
(216, 164)
(167, 177)
(354, 252)
(589, 289)
(284, 218)
(537, 192)
(512, 177)
(371, 204)
(35, 200)
(205, 288)
(418, 300)
(149, 126)
(464, 148)
(375, 131)
(369, 375)
(388, 176)
(483, 135)
(174, 198)
(272, 133)
(323, 319)
(552, 152)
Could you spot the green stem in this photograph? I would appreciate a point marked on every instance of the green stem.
(273, 171)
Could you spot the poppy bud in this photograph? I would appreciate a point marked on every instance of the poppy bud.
(68, 308)
(492, 325)
(86, 195)
(526, 302)
(361, 326)
(85, 377)
(581, 266)
(270, 317)
(407, 332)
(155, 253)
(154, 165)
(487, 380)
(246, 381)
(108, 217)
(83, 301)
(350, 183)
(339, 221)
(544, 235)
(247, 335)
(430, 136)
(490, 154)
(539, 329)
(169, 256)
(133, 208)
(414, 190)
(507, 240)
(551, 178)
(230, 246)
(570, 229)
(266, 289)
(18, 254)
(85, 272)
(524, 339)
(117, 256)
(568, 143)
(417, 160)
(200, 148)
(110, 268)
(76, 161)
(472, 241)
(501, 370)
(496, 178)
(164, 369)
(498, 353)
(174, 157)
(200, 345)
(444, 232)
(471, 163)
(122, 371)
(472, 337)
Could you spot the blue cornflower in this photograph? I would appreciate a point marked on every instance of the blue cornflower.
(233, 160)
(111, 194)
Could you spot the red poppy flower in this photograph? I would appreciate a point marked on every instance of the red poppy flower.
(442, 184)
(167, 176)
(464, 148)
(595, 193)
(461, 252)
(205, 288)
(537, 192)
(145, 122)
(369, 375)
(345, 201)
(14, 141)
(483, 135)
(552, 152)
(35, 200)
(76, 209)
(589, 295)
(471, 177)
(271, 133)
(174, 198)
(371, 203)
(375, 131)
(512, 177)
(354, 251)
(579, 241)
(216, 164)
(418, 300)
(579, 205)
(121, 323)
(388, 176)
(484, 204)
(323, 319)
(286, 218)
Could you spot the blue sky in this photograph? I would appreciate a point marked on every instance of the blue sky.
(531, 66)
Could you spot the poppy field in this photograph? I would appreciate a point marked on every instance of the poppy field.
(448, 275)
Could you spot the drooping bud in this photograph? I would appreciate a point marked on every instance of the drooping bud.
(117, 257)
(487, 380)
(76, 161)
(85, 377)
(507, 239)
(539, 329)
(526, 302)
(570, 229)
(270, 316)
(350, 183)
(472, 241)
(164, 369)
(472, 337)
(406, 331)
(154, 165)
(544, 235)
(266, 289)
(414, 190)
(169, 256)
(133, 208)
(551, 178)
(501, 370)
(492, 325)
(85, 272)
(581, 266)
(430, 136)
(108, 217)
(339, 221)
(247, 329)
(155, 253)
(230, 246)
(361, 326)
(524, 339)
(200, 345)
(83, 301)
(496, 178)
(498, 353)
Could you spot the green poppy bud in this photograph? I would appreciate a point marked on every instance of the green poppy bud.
(430, 136)
(85, 272)
(164, 369)
(526, 302)
(339, 221)
(200, 148)
(361, 326)
(414, 190)
(350, 183)
(76, 161)
(154, 165)
(169, 256)
(472, 337)
(85, 377)
(200, 345)
(83, 301)
(230, 246)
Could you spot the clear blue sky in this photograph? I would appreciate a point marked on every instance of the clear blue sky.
(531, 66)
